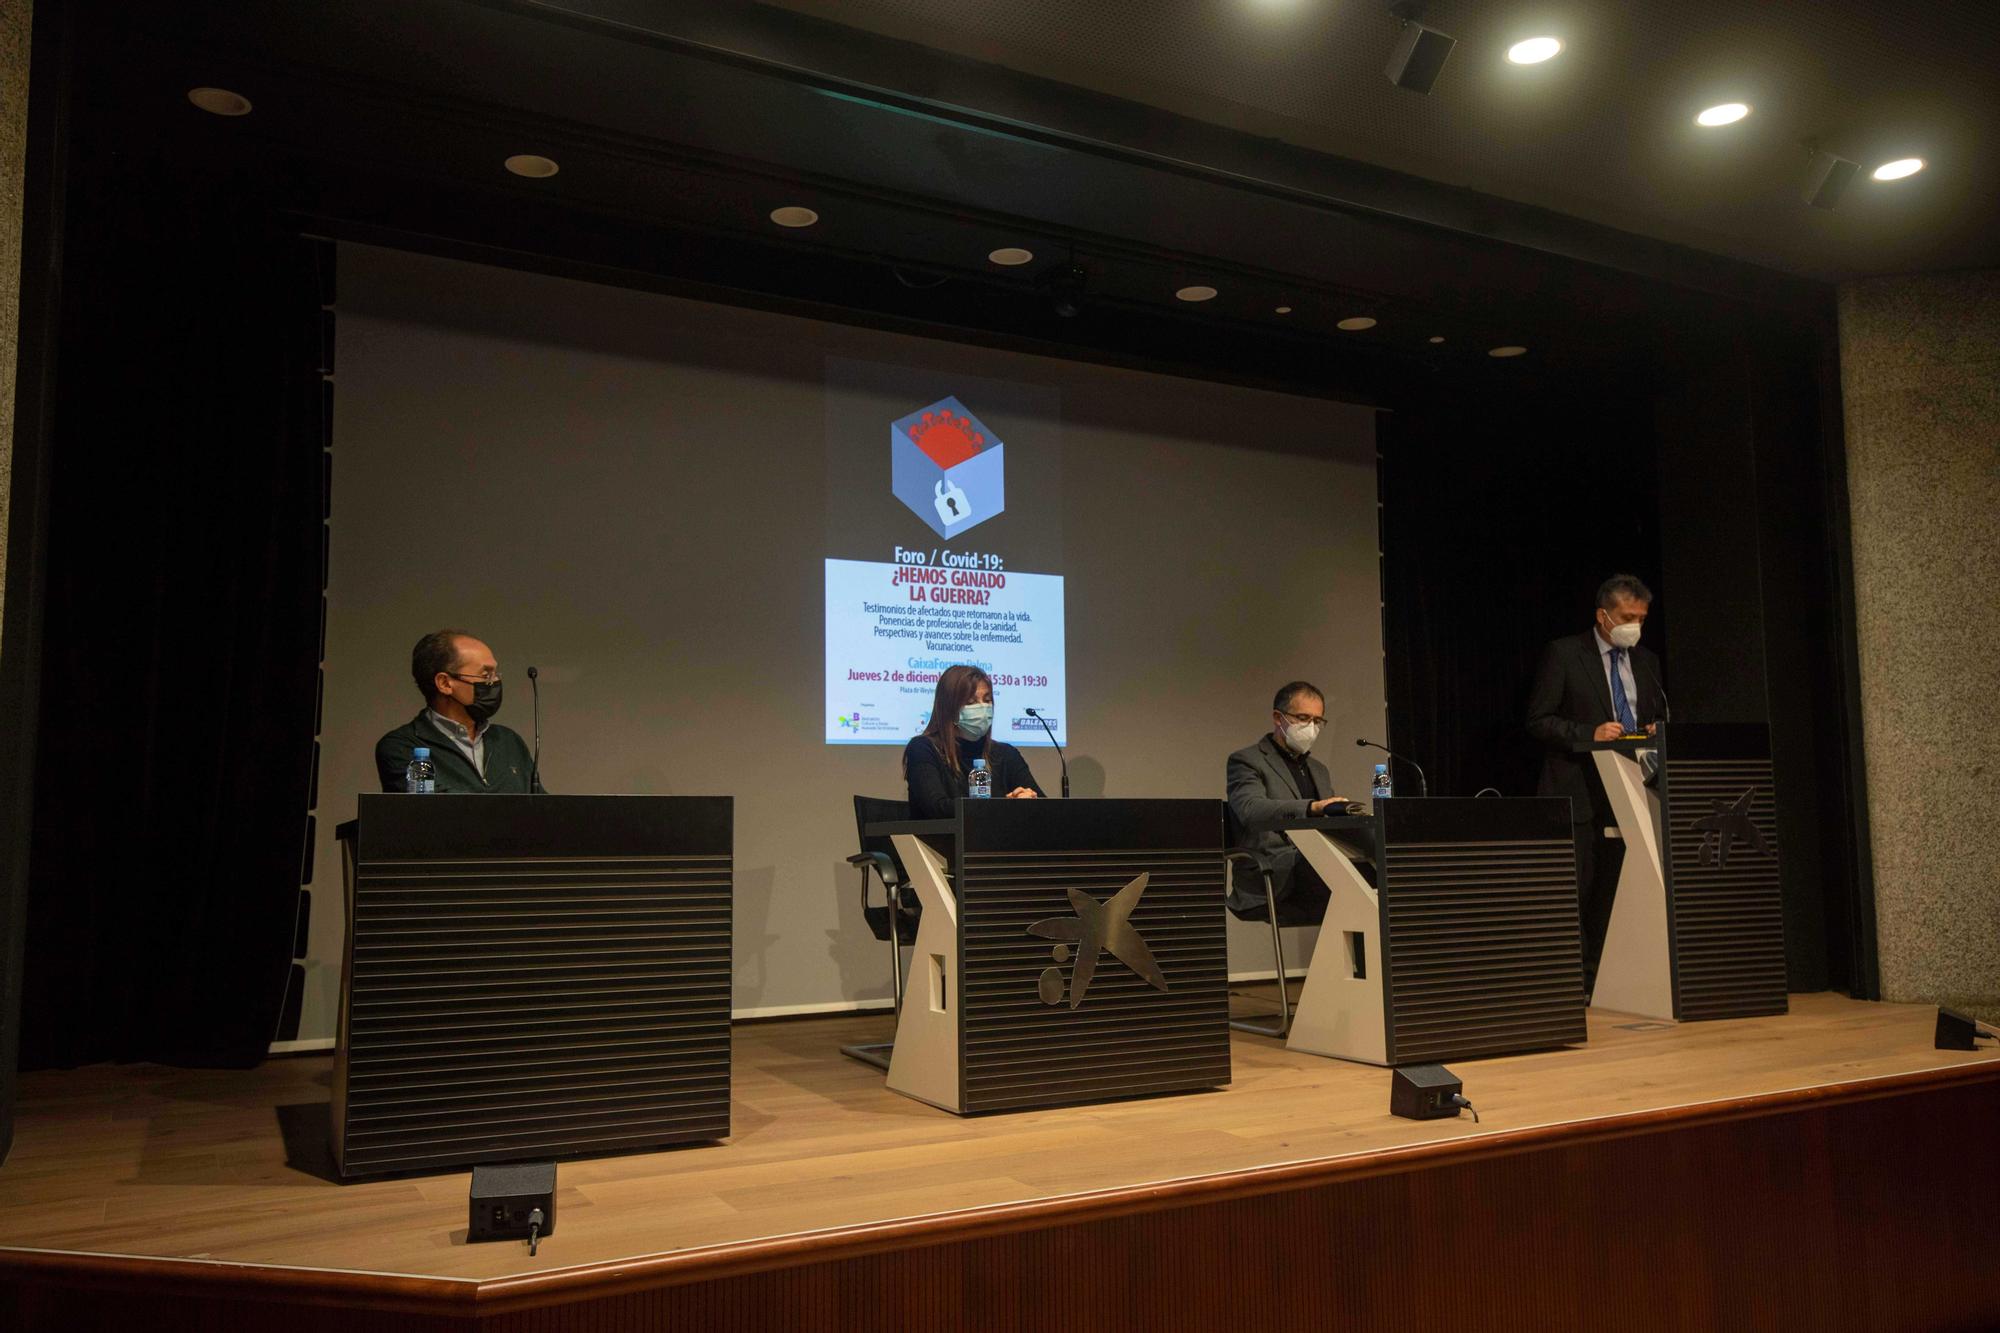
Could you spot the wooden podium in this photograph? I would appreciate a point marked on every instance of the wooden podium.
(1697, 930)
(1069, 952)
(531, 977)
(1466, 945)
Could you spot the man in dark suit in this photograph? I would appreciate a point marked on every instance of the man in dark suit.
(470, 752)
(1277, 779)
(1598, 685)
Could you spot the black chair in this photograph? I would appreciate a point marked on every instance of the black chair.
(895, 918)
(1232, 858)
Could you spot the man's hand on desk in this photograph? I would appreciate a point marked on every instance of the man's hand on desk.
(1022, 793)
(1337, 804)
(1607, 731)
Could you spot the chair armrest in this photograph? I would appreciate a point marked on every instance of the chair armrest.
(884, 867)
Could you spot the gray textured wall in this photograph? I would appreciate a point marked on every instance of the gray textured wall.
(15, 18)
(1920, 382)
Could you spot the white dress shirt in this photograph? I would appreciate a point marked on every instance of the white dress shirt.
(471, 746)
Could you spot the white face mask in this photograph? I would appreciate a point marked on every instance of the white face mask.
(975, 720)
(1299, 736)
(1624, 636)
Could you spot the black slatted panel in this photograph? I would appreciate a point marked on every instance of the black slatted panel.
(1727, 920)
(1482, 947)
(536, 1007)
(1126, 1038)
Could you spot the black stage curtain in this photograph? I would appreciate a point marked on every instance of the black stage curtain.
(1497, 526)
(181, 647)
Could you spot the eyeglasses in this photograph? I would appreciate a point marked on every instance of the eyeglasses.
(489, 678)
(1301, 718)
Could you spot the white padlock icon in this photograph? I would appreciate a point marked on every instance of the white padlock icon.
(952, 506)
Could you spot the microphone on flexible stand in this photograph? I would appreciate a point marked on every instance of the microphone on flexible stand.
(1059, 753)
(535, 766)
(1423, 784)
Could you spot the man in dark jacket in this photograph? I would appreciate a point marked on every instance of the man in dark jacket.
(1598, 685)
(1277, 779)
(470, 753)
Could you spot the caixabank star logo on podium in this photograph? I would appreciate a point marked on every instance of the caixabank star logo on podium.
(947, 467)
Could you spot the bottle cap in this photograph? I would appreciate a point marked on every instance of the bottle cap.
(421, 752)
(1381, 768)
(979, 763)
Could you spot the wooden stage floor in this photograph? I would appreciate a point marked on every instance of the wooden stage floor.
(218, 1170)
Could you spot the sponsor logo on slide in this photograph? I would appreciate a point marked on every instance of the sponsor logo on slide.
(947, 467)
(1030, 724)
(849, 720)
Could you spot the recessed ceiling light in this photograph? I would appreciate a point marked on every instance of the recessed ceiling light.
(1506, 351)
(1010, 255)
(531, 166)
(1196, 293)
(1535, 50)
(220, 101)
(1901, 167)
(1356, 324)
(1726, 114)
(793, 215)
(1437, 337)
(1283, 310)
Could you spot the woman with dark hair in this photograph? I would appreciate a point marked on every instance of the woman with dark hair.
(938, 763)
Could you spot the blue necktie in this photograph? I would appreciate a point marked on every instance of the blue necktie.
(1619, 703)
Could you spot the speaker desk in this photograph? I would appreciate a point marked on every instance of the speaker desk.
(1697, 929)
(1467, 944)
(531, 977)
(1068, 952)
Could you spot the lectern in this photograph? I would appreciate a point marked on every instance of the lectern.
(1466, 945)
(531, 977)
(1069, 952)
(1697, 930)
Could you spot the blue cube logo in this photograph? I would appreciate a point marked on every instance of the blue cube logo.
(947, 467)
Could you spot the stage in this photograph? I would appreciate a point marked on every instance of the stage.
(1822, 1169)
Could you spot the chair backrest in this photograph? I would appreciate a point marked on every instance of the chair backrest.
(879, 810)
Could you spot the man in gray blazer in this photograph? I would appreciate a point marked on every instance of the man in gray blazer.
(1278, 779)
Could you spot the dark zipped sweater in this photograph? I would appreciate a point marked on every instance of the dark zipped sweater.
(509, 765)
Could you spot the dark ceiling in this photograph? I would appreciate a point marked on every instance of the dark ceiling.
(1604, 131)
(680, 126)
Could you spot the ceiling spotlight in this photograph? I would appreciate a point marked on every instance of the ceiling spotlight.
(1011, 255)
(1196, 293)
(220, 101)
(1535, 50)
(1067, 286)
(1419, 53)
(1437, 337)
(1901, 167)
(1356, 324)
(531, 166)
(1282, 310)
(1726, 114)
(792, 215)
(1827, 177)
(1504, 352)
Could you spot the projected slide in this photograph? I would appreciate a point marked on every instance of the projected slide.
(944, 545)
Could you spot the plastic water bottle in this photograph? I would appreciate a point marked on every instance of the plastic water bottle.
(981, 781)
(420, 778)
(1383, 788)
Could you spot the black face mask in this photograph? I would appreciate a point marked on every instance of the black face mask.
(485, 701)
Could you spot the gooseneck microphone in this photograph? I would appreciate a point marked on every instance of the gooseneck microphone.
(1058, 744)
(535, 765)
(1423, 784)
